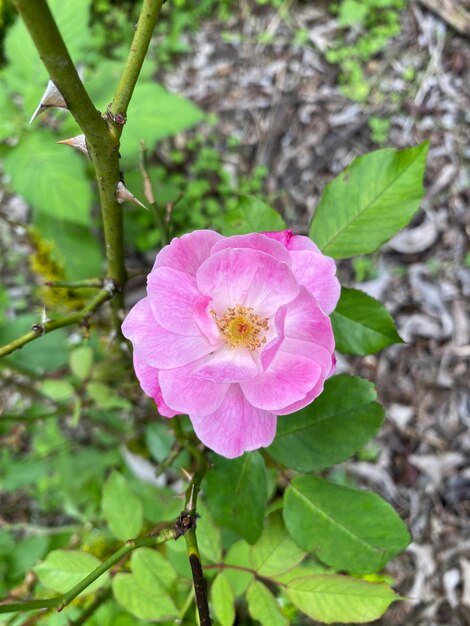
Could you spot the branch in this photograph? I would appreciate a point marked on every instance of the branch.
(80, 317)
(62, 601)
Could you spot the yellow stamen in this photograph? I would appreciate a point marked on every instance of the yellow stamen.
(239, 326)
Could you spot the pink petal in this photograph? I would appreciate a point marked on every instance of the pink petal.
(300, 404)
(148, 378)
(255, 241)
(228, 366)
(246, 277)
(273, 346)
(293, 242)
(205, 320)
(288, 379)
(186, 253)
(236, 427)
(317, 273)
(185, 392)
(157, 346)
(305, 320)
(172, 294)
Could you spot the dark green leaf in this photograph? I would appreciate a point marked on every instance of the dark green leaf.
(251, 216)
(361, 324)
(348, 529)
(369, 202)
(236, 494)
(331, 429)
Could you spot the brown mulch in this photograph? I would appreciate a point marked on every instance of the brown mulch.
(283, 103)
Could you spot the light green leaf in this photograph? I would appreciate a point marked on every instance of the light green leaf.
(339, 599)
(239, 555)
(81, 362)
(223, 600)
(361, 324)
(122, 509)
(152, 570)
(50, 177)
(59, 390)
(208, 535)
(236, 494)
(275, 552)
(331, 429)
(251, 216)
(144, 604)
(106, 397)
(346, 528)
(154, 113)
(263, 606)
(369, 202)
(63, 569)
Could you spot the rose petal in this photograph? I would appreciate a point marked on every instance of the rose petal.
(185, 392)
(186, 253)
(172, 294)
(246, 277)
(305, 320)
(293, 242)
(288, 379)
(228, 366)
(236, 427)
(148, 379)
(157, 346)
(255, 241)
(317, 273)
(205, 320)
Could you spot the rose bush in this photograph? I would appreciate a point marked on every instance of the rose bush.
(235, 331)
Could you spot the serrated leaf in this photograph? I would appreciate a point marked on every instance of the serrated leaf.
(152, 570)
(122, 509)
(50, 178)
(346, 528)
(275, 552)
(263, 606)
(63, 569)
(331, 429)
(155, 113)
(361, 324)
(251, 216)
(144, 604)
(369, 202)
(339, 599)
(236, 494)
(81, 362)
(223, 600)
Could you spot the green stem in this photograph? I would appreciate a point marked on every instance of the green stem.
(87, 283)
(80, 317)
(140, 43)
(101, 598)
(62, 601)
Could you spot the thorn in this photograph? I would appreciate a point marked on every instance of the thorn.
(44, 318)
(187, 475)
(78, 142)
(124, 195)
(51, 98)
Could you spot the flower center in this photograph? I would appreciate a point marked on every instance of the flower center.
(239, 326)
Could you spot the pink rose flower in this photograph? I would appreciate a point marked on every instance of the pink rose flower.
(235, 331)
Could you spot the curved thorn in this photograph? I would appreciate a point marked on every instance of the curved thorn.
(124, 195)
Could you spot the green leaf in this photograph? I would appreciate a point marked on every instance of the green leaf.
(122, 509)
(251, 216)
(346, 528)
(81, 362)
(144, 604)
(44, 354)
(50, 177)
(63, 569)
(275, 552)
(339, 599)
(331, 429)
(59, 390)
(370, 201)
(239, 555)
(263, 606)
(236, 494)
(361, 324)
(223, 600)
(154, 113)
(152, 570)
(208, 535)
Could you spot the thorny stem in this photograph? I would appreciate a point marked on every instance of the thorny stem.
(62, 601)
(80, 317)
